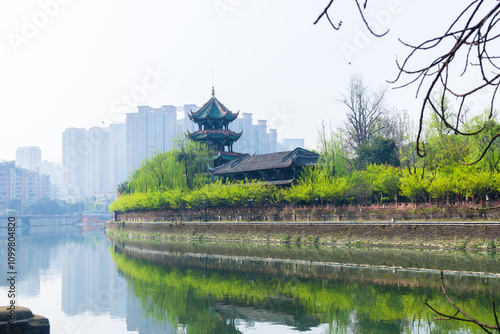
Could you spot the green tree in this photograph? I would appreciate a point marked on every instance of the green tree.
(334, 156)
(441, 187)
(360, 186)
(195, 159)
(490, 128)
(184, 167)
(378, 151)
(413, 185)
(385, 179)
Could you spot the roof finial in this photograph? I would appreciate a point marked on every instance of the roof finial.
(213, 90)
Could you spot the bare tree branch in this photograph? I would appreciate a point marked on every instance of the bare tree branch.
(468, 318)
(365, 110)
(467, 65)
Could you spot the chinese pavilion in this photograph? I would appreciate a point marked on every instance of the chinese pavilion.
(280, 168)
(213, 121)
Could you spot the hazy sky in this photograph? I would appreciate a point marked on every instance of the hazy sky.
(70, 63)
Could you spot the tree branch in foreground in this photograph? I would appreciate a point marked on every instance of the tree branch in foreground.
(462, 63)
(466, 317)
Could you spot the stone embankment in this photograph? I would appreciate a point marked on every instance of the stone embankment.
(461, 235)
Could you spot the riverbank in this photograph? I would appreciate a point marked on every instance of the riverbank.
(461, 235)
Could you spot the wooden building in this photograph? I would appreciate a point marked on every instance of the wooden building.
(281, 168)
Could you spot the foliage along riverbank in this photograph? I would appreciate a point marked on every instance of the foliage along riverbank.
(376, 184)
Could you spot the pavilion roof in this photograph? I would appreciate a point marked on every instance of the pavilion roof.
(249, 163)
(214, 135)
(213, 109)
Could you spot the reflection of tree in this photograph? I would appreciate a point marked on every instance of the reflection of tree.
(204, 300)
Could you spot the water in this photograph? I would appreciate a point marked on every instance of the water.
(85, 282)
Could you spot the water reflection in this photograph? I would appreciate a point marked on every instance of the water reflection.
(85, 283)
(214, 290)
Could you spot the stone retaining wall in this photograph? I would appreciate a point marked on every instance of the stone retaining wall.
(454, 235)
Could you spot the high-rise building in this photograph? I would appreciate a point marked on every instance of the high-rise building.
(118, 141)
(288, 144)
(54, 171)
(272, 136)
(88, 163)
(75, 152)
(99, 182)
(185, 124)
(261, 139)
(29, 157)
(256, 138)
(149, 131)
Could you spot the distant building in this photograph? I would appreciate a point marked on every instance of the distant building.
(54, 171)
(256, 138)
(272, 137)
(118, 134)
(184, 124)
(29, 157)
(75, 150)
(149, 131)
(20, 186)
(88, 164)
(288, 144)
(99, 181)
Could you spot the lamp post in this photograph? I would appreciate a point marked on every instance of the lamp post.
(205, 207)
(250, 203)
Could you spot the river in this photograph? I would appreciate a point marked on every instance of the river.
(85, 282)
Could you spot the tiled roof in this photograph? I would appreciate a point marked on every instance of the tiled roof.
(214, 135)
(214, 110)
(249, 163)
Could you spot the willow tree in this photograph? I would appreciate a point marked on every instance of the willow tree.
(186, 166)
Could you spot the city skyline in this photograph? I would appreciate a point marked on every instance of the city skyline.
(269, 59)
(97, 160)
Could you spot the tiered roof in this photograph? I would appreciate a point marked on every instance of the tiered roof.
(213, 109)
(226, 135)
(213, 120)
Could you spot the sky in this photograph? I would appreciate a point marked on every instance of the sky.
(70, 63)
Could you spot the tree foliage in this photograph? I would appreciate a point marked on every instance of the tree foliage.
(461, 62)
(184, 167)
